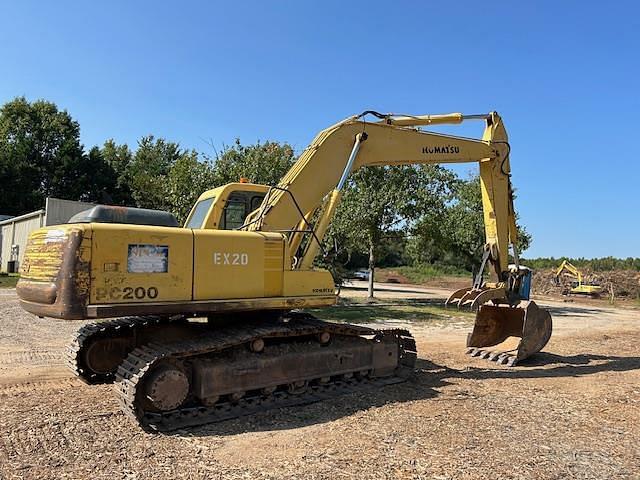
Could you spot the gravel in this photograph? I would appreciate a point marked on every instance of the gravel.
(571, 413)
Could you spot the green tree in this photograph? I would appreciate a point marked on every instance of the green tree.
(380, 202)
(264, 163)
(119, 158)
(160, 174)
(148, 170)
(456, 236)
(101, 176)
(40, 156)
(187, 179)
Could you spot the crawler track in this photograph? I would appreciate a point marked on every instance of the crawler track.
(91, 332)
(131, 373)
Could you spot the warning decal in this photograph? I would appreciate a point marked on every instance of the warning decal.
(145, 258)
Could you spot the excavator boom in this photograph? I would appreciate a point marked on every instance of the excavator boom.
(394, 140)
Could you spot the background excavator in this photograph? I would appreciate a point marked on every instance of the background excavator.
(207, 317)
(577, 286)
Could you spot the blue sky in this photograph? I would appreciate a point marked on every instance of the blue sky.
(563, 75)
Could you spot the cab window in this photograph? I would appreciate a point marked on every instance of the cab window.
(234, 215)
(239, 205)
(256, 201)
(199, 213)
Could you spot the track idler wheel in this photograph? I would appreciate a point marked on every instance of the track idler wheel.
(297, 388)
(495, 324)
(167, 387)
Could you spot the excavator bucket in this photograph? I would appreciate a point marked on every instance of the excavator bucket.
(501, 325)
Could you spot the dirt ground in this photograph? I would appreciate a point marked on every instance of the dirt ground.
(572, 412)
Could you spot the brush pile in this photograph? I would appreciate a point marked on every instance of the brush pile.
(623, 283)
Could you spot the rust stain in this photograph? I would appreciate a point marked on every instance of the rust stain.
(56, 274)
(295, 302)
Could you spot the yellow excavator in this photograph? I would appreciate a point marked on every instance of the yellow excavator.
(577, 286)
(205, 322)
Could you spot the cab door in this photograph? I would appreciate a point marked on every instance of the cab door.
(239, 204)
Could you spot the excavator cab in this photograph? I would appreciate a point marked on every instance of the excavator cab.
(226, 207)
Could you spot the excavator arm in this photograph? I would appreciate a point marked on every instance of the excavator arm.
(569, 267)
(316, 180)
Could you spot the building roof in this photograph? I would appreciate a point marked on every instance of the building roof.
(19, 218)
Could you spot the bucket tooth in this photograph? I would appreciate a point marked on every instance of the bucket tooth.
(468, 297)
(496, 323)
(454, 298)
(485, 354)
(503, 359)
(494, 356)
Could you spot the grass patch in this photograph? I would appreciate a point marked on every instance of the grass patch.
(420, 273)
(8, 280)
(413, 312)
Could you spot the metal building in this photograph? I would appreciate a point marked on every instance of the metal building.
(15, 231)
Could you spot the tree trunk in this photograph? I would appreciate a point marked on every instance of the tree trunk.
(372, 266)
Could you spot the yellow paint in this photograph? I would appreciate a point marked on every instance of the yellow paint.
(220, 194)
(322, 225)
(45, 249)
(412, 121)
(226, 265)
(234, 264)
(301, 283)
(393, 142)
(209, 264)
(497, 204)
(110, 244)
(319, 168)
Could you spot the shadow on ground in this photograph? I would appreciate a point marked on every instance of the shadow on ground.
(425, 384)
(405, 311)
(574, 311)
(553, 365)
